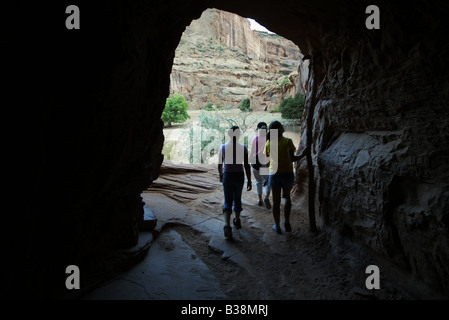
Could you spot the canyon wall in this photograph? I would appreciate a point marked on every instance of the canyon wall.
(220, 60)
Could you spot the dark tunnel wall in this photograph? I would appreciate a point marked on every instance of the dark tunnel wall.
(85, 135)
(379, 127)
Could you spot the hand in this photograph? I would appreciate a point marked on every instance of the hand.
(248, 186)
(221, 178)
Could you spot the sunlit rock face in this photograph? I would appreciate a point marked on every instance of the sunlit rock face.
(221, 60)
(89, 105)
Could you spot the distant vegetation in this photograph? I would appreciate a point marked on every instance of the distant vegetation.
(175, 110)
(211, 107)
(245, 105)
(292, 107)
(285, 81)
(199, 143)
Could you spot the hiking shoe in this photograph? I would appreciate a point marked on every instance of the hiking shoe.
(259, 203)
(267, 203)
(287, 226)
(237, 223)
(227, 231)
(277, 229)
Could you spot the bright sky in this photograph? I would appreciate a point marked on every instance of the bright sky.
(256, 26)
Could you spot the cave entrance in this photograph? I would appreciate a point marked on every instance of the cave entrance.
(92, 164)
(222, 60)
(229, 70)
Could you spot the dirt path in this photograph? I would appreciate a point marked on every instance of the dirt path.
(304, 265)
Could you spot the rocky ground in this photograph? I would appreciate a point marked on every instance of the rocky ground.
(189, 258)
(259, 263)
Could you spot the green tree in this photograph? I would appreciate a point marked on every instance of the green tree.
(292, 108)
(175, 110)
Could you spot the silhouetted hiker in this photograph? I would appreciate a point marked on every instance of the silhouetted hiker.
(281, 177)
(258, 160)
(232, 166)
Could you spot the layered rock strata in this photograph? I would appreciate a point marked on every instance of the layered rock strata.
(220, 60)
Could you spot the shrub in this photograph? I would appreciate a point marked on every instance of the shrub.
(209, 107)
(285, 81)
(245, 105)
(292, 108)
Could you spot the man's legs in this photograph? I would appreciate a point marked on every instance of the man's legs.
(227, 206)
(228, 191)
(238, 188)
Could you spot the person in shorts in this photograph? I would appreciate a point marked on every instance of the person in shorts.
(233, 165)
(258, 160)
(281, 177)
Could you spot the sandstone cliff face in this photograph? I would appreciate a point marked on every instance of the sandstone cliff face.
(271, 95)
(221, 60)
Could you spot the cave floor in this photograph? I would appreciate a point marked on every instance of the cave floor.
(189, 258)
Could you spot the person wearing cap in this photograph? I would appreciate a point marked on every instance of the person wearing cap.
(258, 160)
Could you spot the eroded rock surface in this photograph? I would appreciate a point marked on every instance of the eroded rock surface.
(220, 60)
